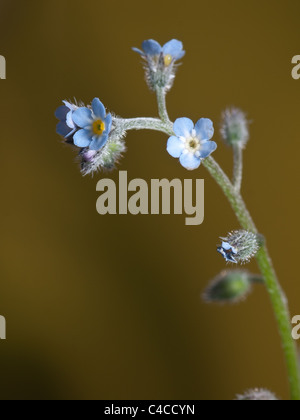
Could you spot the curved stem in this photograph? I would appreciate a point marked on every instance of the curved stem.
(235, 199)
(278, 299)
(162, 106)
(237, 167)
(147, 124)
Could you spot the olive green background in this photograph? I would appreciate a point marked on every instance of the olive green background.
(110, 307)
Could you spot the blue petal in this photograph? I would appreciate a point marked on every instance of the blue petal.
(69, 120)
(183, 127)
(174, 48)
(61, 113)
(108, 123)
(71, 133)
(82, 117)
(98, 142)
(98, 109)
(69, 105)
(151, 47)
(62, 129)
(190, 161)
(175, 147)
(82, 138)
(138, 51)
(204, 129)
(207, 149)
(226, 246)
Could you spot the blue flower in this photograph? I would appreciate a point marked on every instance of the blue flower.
(192, 143)
(228, 252)
(66, 126)
(172, 51)
(94, 125)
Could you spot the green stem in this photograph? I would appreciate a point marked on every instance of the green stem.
(280, 307)
(162, 106)
(147, 124)
(237, 167)
(278, 299)
(234, 198)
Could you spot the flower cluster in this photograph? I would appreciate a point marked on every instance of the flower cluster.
(161, 62)
(93, 131)
(100, 137)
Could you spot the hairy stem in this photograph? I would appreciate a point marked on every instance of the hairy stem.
(280, 307)
(147, 124)
(237, 167)
(162, 106)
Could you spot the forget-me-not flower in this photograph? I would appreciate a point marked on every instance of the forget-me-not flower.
(94, 125)
(161, 62)
(192, 143)
(66, 126)
(172, 51)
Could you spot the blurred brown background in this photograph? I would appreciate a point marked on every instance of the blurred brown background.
(110, 307)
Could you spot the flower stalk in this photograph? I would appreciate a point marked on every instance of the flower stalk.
(162, 106)
(237, 167)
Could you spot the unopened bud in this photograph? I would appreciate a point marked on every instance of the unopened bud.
(235, 128)
(229, 287)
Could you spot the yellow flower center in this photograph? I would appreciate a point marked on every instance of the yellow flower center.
(98, 127)
(193, 145)
(168, 60)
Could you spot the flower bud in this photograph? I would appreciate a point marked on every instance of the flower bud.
(239, 247)
(235, 128)
(257, 395)
(106, 159)
(229, 287)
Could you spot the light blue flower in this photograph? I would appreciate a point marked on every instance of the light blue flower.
(191, 143)
(172, 51)
(95, 126)
(66, 126)
(228, 252)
